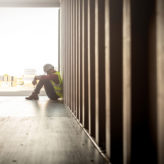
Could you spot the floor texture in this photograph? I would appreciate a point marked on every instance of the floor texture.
(42, 132)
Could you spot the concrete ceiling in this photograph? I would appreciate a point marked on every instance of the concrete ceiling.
(29, 3)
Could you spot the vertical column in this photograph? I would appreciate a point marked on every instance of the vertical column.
(83, 75)
(69, 60)
(59, 54)
(160, 79)
(91, 66)
(77, 60)
(69, 49)
(71, 55)
(85, 62)
(142, 144)
(107, 76)
(74, 57)
(89, 79)
(100, 72)
(126, 82)
(80, 60)
(116, 87)
(66, 54)
(153, 83)
(62, 16)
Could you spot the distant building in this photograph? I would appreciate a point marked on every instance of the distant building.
(5, 77)
(1, 78)
(29, 74)
(28, 77)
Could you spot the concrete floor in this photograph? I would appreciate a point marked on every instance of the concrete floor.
(42, 132)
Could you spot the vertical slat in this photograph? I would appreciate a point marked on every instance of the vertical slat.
(142, 50)
(76, 92)
(83, 111)
(61, 33)
(68, 40)
(77, 60)
(92, 65)
(153, 82)
(66, 54)
(89, 70)
(116, 87)
(80, 60)
(65, 49)
(96, 73)
(71, 64)
(70, 12)
(59, 55)
(83, 80)
(160, 79)
(67, 67)
(107, 76)
(126, 81)
(84, 64)
(74, 57)
(100, 72)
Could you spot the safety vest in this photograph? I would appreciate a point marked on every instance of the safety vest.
(58, 87)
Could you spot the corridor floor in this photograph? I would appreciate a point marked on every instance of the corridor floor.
(42, 132)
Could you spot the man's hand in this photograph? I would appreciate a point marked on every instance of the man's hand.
(34, 82)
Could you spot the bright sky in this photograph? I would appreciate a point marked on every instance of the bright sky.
(28, 39)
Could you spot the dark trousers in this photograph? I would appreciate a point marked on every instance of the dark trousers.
(48, 88)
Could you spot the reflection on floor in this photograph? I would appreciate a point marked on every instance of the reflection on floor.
(42, 132)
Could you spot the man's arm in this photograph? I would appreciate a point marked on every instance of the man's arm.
(48, 77)
(35, 79)
(38, 77)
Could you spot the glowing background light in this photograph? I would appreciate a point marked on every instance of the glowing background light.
(28, 39)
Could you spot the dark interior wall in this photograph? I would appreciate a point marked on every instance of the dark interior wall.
(142, 148)
(112, 75)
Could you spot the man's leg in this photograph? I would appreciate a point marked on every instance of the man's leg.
(34, 95)
(48, 89)
(39, 86)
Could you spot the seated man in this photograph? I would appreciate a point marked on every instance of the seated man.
(52, 83)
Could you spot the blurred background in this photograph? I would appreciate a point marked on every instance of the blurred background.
(29, 39)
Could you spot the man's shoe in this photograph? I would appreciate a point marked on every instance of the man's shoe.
(33, 97)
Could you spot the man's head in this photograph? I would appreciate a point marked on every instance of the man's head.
(48, 68)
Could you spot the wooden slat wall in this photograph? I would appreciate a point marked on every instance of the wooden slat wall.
(160, 78)
(100, 71)
(91, 66)
(126, 81)
(112, 54)
(85, 63)
(143, 121)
